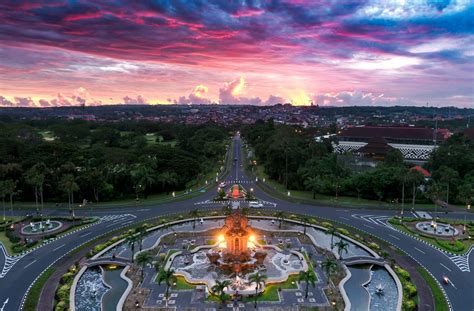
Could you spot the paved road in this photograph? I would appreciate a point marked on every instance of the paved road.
(460, 270)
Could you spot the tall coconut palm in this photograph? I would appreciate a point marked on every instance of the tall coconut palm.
(131, 240)
(447, 175)
(305, 220)
(10, 189)
(415, 178)
(341, 247)
(309, 277)
(143, 259)
(142, 233)
(259, 280)
(218, 289)
(3, 194)
(166, 276)
(332, 231)
(329, 266)
(194, 214)
(68, 185)
(167, 180)
(280, 215)
(35, 177)
(143, 177)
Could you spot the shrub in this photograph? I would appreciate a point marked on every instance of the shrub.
(61, 306)
(409, 305)
(374, 245)
(453, 246)
(410, 289)
(67, 277)
(326, 224)
(63, 292)
(402, 273)
(343, 231)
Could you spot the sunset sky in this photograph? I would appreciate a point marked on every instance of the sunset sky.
(331, 52)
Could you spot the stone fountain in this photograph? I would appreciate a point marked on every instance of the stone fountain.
(237, 241)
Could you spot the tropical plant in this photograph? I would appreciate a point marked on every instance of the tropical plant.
(143, 177)
(143, 259)
(415, 178)
(305, 220)
(167, 180)
(309, 277)
(35, 177)
(10, 189)
(280, 215)
(68, 185)
(218, 289)
(259, 280)
(166, 276)
(341, 247)
(142, 233)
(329, 266)
(332, 231)
(131, 240)
(447, 175)
(194, 214)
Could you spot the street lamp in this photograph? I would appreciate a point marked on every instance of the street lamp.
(289, 194)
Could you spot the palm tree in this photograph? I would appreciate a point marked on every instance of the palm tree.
(131, 240)
(332, 231)
(142, 260)
(314, 184)
(3, 193)
(259, 280)
(168, 179)
(141, 236)
(341, 246)
(280, 215)
(415, 178)
(143, 177)
(447, 176)
(166, 276)
(329, 266)
(309, 277)
(10, 189)
(218, 289)
(194, 214)
(305, 220)
(35, 177)
(68, 185)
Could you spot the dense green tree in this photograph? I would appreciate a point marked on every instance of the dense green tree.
(143, 259)
(167, 277)
(329, 266)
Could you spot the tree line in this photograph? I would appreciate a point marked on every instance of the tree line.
(68, 161)
(291, 156)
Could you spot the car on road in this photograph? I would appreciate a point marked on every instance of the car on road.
(255, 204)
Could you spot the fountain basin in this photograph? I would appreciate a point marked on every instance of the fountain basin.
(41, 228)
(437, 229)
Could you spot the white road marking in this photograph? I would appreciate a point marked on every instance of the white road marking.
(394, 237)
(29, 264)
(86, 234)
(343, 218)
(445, 267)
(143, 210)
(58, 247)
(420, 250)
(369, 226)
(451, 282)
(4, 304)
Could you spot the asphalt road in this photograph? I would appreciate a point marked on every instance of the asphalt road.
(19, 273)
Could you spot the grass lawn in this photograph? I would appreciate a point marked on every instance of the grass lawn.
(460, 246)
(271, 290)
(181, 284)
(6, 242)
(47, 135)
(35, 291)
(440, 302)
